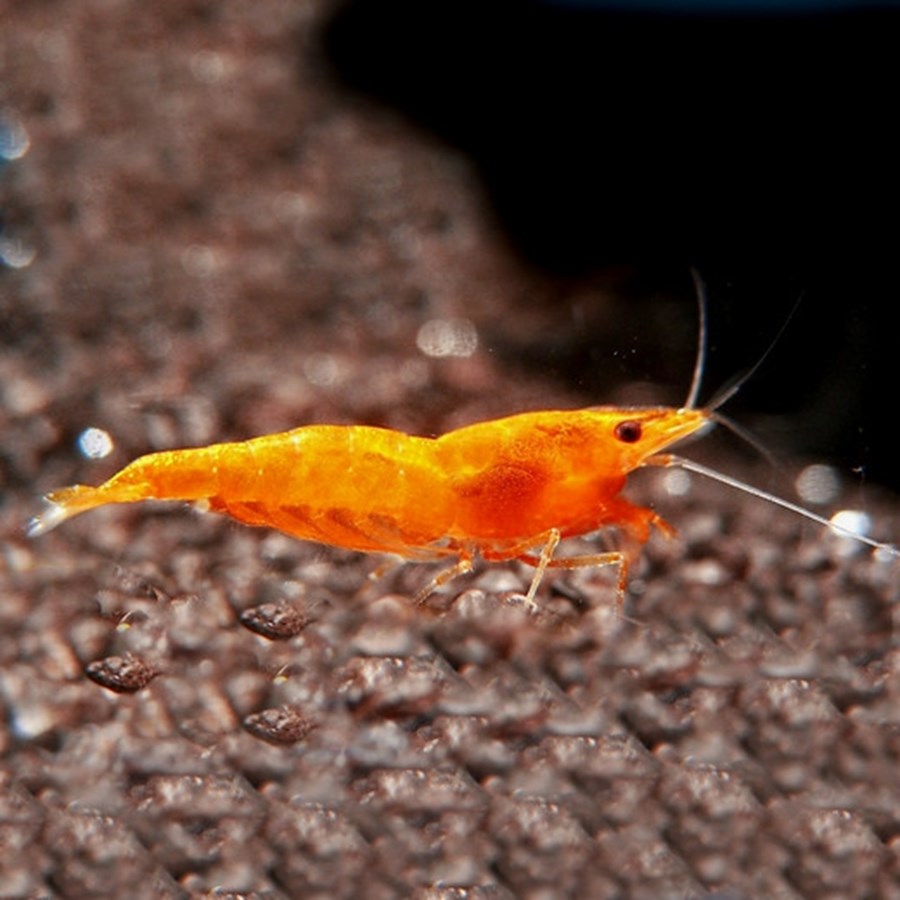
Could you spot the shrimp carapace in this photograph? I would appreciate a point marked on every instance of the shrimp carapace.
(501, 489)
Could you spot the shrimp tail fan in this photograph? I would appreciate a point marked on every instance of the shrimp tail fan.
(63, 504)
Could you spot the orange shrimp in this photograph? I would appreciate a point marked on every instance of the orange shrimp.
(500, 489)
(503, 489)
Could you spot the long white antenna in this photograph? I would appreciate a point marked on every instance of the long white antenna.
(700, 362)
(715, 475)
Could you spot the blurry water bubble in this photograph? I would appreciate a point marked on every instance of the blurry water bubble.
(200, 261)
(15, 253)
(447, 337)
(23, 396)
(209, 66)
(321, 369)
(292, 206)
(28, 721)
(851, 520)
(676, 482)
(94, 443)
(14, 141)
(818, 484)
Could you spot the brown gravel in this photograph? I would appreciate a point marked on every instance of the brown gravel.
(227, 245)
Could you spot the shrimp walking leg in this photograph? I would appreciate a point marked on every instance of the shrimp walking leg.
(384, 568)
(462, 567)
(616, 558)
(543, 561)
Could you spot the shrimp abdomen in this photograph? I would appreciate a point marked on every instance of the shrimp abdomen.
(356, 487)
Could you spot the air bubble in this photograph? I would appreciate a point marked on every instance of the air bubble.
(853, 521)
(15, 253)
(818, 484)
(447, 337)
(321, 369)
(95, 443)
(676, 483)
(209, 67)
(14, 140)
(201, 261)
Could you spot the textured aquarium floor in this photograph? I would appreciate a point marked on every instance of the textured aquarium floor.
(224, 244)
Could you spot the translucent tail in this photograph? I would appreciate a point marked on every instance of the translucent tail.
(167, 475)
(65, 503)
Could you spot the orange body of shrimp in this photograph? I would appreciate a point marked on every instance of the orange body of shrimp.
(501, 489)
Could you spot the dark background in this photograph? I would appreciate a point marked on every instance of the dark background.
(760, 149)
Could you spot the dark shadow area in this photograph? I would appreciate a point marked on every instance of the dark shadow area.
(604, 136)
(758, 148)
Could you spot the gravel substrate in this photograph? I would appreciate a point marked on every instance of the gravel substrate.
(224, 244)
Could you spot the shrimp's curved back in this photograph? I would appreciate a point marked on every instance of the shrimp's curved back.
(357, 487)
(513, 479)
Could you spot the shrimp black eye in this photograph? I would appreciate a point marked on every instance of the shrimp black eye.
(629, 431)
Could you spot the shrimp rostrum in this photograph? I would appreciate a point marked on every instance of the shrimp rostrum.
(503, 489)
